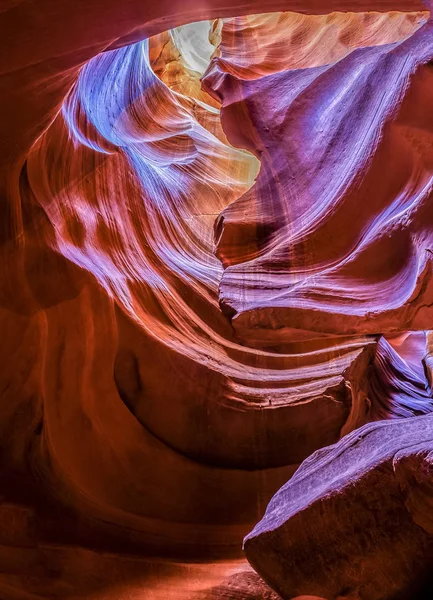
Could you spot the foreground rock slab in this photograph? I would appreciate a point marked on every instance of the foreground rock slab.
(354, 521)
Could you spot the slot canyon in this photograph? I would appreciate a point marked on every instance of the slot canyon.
(216, 300)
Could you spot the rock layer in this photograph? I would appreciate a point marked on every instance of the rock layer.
(139, 220)
(361, 508)
(135, 417)
(335, 236)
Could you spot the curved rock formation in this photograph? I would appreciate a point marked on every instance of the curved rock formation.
(139, 219)
(362, 508)
(335, 237)
(158, 390)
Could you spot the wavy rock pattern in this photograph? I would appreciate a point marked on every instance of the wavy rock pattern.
(133, 411)
(144, 196)
(353, 522)
(336, 232)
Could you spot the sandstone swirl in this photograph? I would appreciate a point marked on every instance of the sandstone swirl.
(158, 388)
(335, 237)
(337, 143)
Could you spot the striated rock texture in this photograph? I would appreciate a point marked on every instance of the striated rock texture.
(336, 235)
(353, 522)
(362, 509)
(216, 260)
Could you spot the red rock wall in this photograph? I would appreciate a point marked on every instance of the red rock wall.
(178, 335)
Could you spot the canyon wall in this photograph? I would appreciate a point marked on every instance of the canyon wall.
(216, 266)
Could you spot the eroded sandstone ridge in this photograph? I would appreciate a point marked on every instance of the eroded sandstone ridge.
(216, 263)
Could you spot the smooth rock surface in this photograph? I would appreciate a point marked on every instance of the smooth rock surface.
(361, 509)
(154, 397)
(335, 236)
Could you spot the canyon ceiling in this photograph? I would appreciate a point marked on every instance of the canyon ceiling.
(216, 300)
